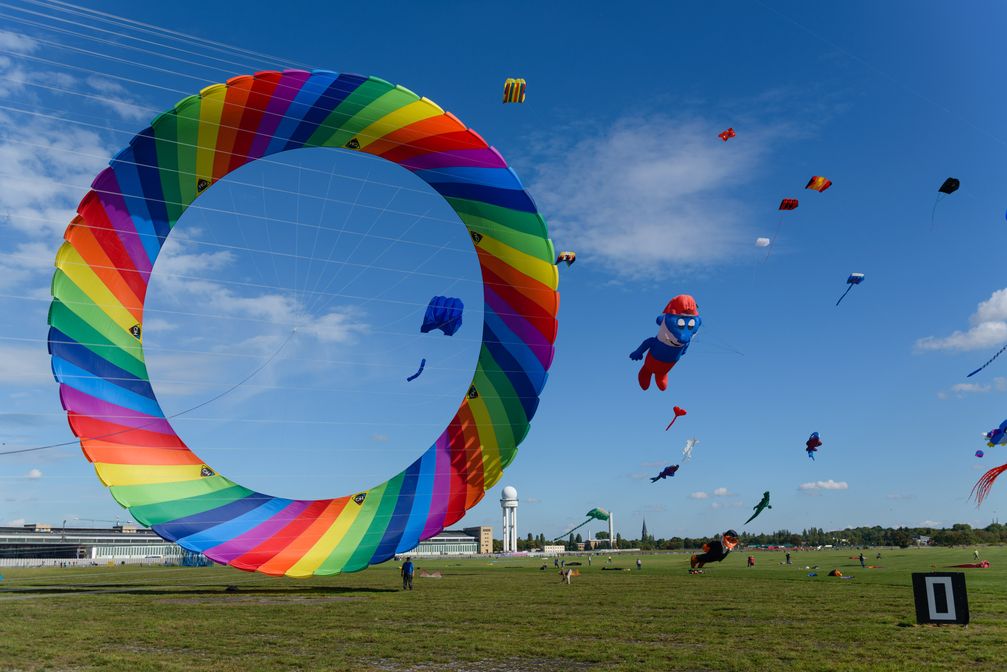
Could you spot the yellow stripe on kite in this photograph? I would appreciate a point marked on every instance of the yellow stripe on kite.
(393, 121)
(327, 543)
(79, 271)
(143, 474)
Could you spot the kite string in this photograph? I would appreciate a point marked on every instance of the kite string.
(565, 534)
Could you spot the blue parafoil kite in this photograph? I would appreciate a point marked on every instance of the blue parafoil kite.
(444, 313)
(853, 280)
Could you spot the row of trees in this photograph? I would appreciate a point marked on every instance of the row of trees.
(957, 535)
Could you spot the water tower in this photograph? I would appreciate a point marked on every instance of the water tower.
(508, 503)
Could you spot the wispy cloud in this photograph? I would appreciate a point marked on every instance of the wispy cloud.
(699, 495)
(824, 485)
(34, 474)
(721, 492)
(735, 504)
(649, 192)
(988, 328)
(962, 389)
(116, 98)
(17, 42)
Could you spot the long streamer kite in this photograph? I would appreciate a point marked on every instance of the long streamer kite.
(100, 284)
(988, 362)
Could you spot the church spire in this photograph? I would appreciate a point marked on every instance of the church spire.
(643, 534)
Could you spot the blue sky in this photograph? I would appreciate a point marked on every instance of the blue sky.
(617, 142)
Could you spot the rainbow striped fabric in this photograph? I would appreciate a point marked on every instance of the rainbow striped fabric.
(514, 90)
(101, 277)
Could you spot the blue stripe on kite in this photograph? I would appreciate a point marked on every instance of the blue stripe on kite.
(513, 199)
(517, 349)
(99, 388)
(337, 92)
(501, 178)
(145, 155)
(63, 348)
(220, 534)
(132, 194)
(400, 516)
(175, 530)
(522, 385)
(421, 501)
(312, 89)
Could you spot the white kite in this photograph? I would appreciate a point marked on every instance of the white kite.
(687, 451)
(762, 242)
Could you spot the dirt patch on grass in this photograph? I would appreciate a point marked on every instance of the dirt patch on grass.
(505, 665)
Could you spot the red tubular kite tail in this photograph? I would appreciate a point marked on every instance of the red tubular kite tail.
(985, 483)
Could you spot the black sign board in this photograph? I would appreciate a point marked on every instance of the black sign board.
(941, 598)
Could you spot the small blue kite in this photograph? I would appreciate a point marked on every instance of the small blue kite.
(423, 362)
(444, 313)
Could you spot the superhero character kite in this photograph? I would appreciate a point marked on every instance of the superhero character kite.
(812, 446)
(678, 324)
(667, 472)
(715, 551)
(760, 507)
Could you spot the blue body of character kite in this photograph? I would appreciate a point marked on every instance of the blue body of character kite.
(678, 324)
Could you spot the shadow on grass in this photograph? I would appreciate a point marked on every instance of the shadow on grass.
(139, 589)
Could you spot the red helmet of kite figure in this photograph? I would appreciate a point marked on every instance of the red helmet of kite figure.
(676, 327)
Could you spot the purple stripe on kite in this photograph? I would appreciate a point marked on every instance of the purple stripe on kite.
(106, 187)
(286, 89)
(82, 403)
(474, 158)
(532, 337)
(442, 488)
(244, 543)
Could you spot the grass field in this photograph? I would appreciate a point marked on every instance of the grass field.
(505, 615)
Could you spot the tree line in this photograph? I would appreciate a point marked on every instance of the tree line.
(959, 534)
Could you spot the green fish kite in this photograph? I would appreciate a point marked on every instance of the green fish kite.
(760, 507)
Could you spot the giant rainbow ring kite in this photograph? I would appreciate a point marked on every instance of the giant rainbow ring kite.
(101, 277)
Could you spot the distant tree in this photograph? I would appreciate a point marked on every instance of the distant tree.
(579, 539)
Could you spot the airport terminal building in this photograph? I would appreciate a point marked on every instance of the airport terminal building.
(40, 544)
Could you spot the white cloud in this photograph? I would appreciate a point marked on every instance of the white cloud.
(648, 193)
(961, 389)
(34, 474)
(825, 485)
(379, 438)
(762, 242)
(898, 496)
(24, 365)
(17, 522)
(726, 505)
(721, 492)
(988, 328)
(699, 495)
(116, 97)
(931, 523)
(17, 42)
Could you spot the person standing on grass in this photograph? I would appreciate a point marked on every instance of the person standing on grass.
(589, 561)
(639, 564)
(788, 557)
(975, 554)
(407, 574)
(862, 559)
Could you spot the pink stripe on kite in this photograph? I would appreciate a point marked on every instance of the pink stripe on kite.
(286, 89)
(243, 543)
(106, 187)
(442, 488)
(532, 337)
(82, 403)
(462, 158)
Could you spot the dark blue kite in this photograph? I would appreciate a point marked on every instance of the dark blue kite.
(444, 313)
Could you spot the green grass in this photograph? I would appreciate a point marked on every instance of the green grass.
(505, 615)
